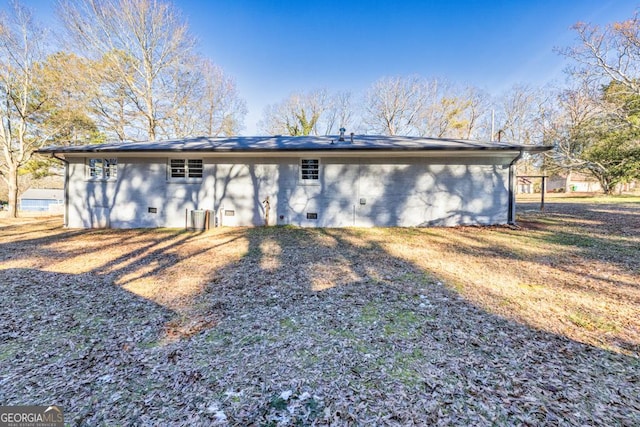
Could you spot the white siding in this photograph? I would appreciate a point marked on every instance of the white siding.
(350, 192)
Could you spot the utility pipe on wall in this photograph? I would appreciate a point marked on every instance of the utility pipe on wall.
(511, 215)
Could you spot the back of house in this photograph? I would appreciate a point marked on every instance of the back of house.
(325, 181)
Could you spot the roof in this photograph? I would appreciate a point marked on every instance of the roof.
(43, 194)
(261, 144)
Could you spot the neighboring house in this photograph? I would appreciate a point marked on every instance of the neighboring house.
(529, 184)
(526, 184)
(40, 200)
(318, 181)
(574, 182)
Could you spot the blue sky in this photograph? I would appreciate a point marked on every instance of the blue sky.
(273, 48)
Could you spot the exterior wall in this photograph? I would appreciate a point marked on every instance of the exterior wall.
(573, 182)
(41, 200)
(38, 205)
(584, 186)
(125, 202)
(359, 192)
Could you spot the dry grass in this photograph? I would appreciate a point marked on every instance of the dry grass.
(573, 271)
(532, 325)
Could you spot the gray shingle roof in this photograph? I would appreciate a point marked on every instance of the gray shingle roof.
(42, 194)
(296, 143)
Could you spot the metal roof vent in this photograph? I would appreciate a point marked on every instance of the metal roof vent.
(342, 131)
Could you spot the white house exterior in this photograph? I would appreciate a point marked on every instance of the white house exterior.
(304, 181)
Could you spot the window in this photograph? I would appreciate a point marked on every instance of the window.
(102, 168)
(309, 170)
(185, 168)
(110, 168)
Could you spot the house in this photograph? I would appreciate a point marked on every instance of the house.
(41, 200)
(574, 182)
(314, 181)
(526, 184)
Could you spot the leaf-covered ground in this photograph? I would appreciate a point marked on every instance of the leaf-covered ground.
(534, 325)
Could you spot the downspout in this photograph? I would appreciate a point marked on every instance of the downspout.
(511, 216)
(66, 188)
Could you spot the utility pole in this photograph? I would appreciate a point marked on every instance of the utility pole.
(493, 123)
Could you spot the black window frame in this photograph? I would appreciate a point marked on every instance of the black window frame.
(310, 170)
(185, 169)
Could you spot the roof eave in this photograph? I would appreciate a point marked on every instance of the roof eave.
(245, 150)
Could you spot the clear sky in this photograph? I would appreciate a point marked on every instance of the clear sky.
(273, 48)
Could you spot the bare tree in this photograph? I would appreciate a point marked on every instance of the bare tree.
(393, 105)
(608, 54)
(446, 112)
(222, 110)
(339, 113)
(431, 118)
(206, 104)
(144, 44)
(23, 104)
(575, 109)
(519, 112)
(589, 137)
(297, 115)
(418, 106)
(20, 49)
(111, 102)
(600, 128)
(478, 107)
(520, 117)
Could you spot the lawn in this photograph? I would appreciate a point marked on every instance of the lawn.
(533, 325)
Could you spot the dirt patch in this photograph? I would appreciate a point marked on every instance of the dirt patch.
(534, 325)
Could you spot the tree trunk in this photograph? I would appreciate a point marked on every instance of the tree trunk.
(13, 192)
(151, 130)
(606, 185)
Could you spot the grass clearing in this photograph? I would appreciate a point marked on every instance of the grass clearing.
(533, 325)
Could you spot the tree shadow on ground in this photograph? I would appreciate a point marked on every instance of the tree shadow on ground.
(383, 342)
(66, 338)
(313, 326)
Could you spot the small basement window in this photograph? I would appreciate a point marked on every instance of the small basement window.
(102, 169)
(185, 168)
(309, 170)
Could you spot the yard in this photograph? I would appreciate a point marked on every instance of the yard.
(534, 325)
